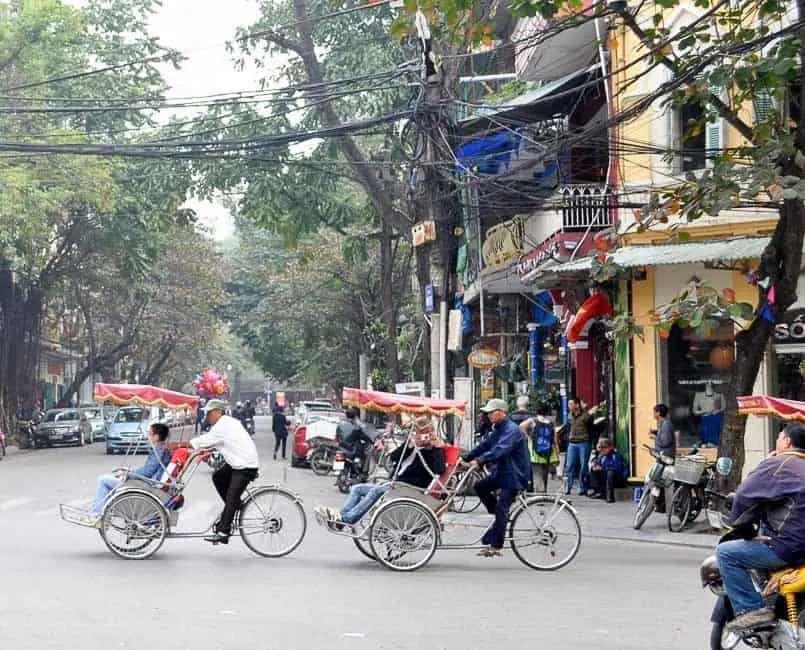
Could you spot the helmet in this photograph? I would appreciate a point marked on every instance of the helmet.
(352, 413)
(248, 402)
(238, 403)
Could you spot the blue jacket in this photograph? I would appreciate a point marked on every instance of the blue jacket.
(615, 462)
(152, 470)
(507, 448)
(779, 482)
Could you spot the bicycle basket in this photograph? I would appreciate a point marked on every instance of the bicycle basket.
(688, 471)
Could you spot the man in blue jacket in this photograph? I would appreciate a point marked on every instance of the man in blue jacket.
(773, 495)
(506, 449)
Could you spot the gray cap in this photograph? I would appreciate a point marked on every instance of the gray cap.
(495, 404)
(216, 405)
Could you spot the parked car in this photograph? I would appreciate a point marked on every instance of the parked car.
(312, 405)
(58, 427)
(128, 431)
(93, 423)
(313, 424)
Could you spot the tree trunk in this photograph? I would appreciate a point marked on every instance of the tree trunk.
(781, 262)
(102, 362)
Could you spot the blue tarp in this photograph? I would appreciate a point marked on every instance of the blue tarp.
(489, 153)
(543, 310)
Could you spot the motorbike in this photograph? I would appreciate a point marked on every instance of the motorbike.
(352, 467)
(717, 503)
(248, 424)
(321, 455)
(659, 479)
(783, 591)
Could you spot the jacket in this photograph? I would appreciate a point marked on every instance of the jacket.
(416, 474)
(774, 495)
(521, 416)
(665, 442)
(507, 448)
(279, 424)
(614, 462)
(581, 427)
(155, 464)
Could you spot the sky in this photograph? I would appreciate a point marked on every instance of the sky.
(200, 30)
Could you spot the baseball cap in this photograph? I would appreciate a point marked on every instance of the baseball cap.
(216, 404)
(495, 404)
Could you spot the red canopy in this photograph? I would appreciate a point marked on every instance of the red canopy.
(787, 409)
(373, 400)
(144, 395)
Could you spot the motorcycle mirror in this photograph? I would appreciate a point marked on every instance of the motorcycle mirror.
(724, 465)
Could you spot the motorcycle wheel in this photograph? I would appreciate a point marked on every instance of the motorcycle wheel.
(644, 509)
(321, 463)
(679, 510)
(343, 483)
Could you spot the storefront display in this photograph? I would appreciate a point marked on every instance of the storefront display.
(698, 367)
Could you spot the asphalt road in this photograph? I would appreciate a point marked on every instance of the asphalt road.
(61, 588)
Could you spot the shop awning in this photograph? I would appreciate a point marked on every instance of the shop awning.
(373, 400)
(121, 394)
(496, 281)
(723, 250)
(553, 98)
(787, 409)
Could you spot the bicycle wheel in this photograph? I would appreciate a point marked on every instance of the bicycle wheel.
(545, 534)
(679, 511)
(364, 547)
(134, 525)
(644, 508)
(403, 535)
(467, 500)
(272, 522)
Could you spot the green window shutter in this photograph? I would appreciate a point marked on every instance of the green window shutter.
(714, 140)
(764, 105)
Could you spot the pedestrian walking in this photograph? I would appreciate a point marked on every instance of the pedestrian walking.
(279, 424)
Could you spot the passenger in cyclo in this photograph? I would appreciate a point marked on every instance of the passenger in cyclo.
(506, 449)
(151, 471)
(411, 470)
(240, 468)
(773, 495)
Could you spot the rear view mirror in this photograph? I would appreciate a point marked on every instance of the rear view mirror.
(724, 466)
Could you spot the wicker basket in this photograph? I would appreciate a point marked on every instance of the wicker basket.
(688, 470)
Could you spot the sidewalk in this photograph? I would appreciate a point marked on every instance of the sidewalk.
(613, 521)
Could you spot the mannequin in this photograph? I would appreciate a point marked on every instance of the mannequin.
(709, 405)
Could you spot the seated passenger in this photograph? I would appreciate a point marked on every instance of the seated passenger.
(608, 471)
(152, 470)
(410, 470)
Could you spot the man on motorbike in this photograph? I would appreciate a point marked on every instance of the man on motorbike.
(414, 467)
(351, 434)
(773, 495)
(240, 467)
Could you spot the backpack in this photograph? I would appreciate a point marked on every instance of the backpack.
(543, 438)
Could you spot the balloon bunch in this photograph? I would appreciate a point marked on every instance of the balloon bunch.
(209, 384)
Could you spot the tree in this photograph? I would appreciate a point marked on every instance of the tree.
(732, 54)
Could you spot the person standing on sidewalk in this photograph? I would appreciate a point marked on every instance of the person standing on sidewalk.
(279, 424)
(506, 448)
(579, 447)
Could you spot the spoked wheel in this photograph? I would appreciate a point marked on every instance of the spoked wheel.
(545, 534)
(321, 462)
(272, 522)
(467, 500)
(364, 547)
(679, 511)
(644, 508)
(134, 525)
(403, 535)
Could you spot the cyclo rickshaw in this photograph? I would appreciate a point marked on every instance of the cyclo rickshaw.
(140, 514)
(405, 527)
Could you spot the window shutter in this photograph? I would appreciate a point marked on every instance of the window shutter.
(764, 105)
(714, 140)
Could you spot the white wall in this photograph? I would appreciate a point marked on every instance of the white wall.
(669, 280)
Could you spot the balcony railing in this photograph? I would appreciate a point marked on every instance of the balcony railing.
(575, 207)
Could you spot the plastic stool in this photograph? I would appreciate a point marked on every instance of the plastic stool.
(637, 495)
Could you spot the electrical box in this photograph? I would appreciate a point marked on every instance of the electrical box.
(423, 232)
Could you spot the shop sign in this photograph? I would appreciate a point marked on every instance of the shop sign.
(503, 243)
(558, 249)
(429, 299)
(555, 372)
(484, 358)
(792, 327)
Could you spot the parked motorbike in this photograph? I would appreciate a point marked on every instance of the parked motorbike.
(384, 445)
(352, 467)
(321, 455)
(784, 592)
(26, 433)
(659, 479)
(717, 502)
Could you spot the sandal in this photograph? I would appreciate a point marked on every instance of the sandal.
(490, 552)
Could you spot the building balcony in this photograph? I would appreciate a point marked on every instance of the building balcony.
(571, 208)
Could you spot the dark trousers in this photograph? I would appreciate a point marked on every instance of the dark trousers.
(230, 484)
(498, 505)
(605, 483)
(280, 440)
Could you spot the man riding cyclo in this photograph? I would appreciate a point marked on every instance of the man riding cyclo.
(417, 464)
(506, 449)
(773, 496)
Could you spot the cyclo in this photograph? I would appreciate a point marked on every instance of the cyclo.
(139, 514)
(405, 527)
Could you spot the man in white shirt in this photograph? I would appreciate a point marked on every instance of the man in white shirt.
(241, 463)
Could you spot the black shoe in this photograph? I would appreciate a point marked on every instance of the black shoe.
(275, 456)
(595, 495)
(611, 500)
(217, 538)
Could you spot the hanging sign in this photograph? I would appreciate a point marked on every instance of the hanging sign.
(484, 358)
(791, 328)
(429, 299)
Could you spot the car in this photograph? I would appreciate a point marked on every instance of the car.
(313, 424)
(312, 405)
(60, 426)
(127, 433)
(93, 423)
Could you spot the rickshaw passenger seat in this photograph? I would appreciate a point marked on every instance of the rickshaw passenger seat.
(177, 462)
(437, 487)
